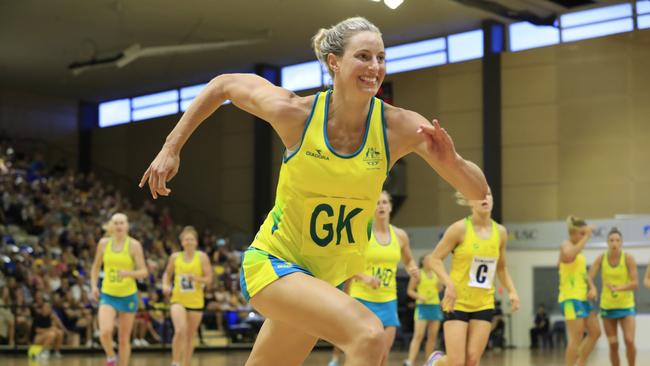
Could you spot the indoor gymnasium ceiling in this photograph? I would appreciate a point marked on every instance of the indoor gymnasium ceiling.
(41, 39)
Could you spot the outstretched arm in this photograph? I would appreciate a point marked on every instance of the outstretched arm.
(410, 132)
(284, 110)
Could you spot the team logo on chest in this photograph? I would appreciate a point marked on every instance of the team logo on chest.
(318, 154)
(372, 158)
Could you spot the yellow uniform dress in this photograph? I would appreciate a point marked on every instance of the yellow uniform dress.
(187, 292)
(473, 266)
(321, 221)
(381, 263)
(573, 289)
(427, 287)
(117, 291)
(620, 304)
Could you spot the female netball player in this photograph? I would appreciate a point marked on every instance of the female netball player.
(478, 247)
(376, 287)
(192, 273)
(428, 314)
(576, 288)
(123, 262)
(340, 145)
(620, 279)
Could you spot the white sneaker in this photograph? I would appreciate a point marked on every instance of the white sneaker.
(45, 355)
(143, 342)
(333, 363)
(136, 342)
(407, 363)
(58, 354)
(435, 356)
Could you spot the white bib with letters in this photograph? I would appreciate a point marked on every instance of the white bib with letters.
(481, 273)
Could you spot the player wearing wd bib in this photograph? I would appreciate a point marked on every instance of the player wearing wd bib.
(617, 306)
(428, 313)
(123, 261)
(340, 145)
(575, 289)
(376, 287)
(478, 247)
(192, 272)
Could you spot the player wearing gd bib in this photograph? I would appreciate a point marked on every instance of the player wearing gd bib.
(576, 288)
(428, 313)
(376, 287)
(478, 247)
(340, 145)
(122, 258)
(617, 306)
(192, 273)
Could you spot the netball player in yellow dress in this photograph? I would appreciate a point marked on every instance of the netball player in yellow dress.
(340, 145)
(192, 273)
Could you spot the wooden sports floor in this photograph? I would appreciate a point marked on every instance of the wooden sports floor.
(515, 357)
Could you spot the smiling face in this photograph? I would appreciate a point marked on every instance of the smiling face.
(362, 68)
(189, 241)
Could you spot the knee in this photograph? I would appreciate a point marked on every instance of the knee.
(106, 333)
(613, 343)
(418, 336)
(629, 342)
(370, 340)
(473, 359)
(180, 331)
(595, 334)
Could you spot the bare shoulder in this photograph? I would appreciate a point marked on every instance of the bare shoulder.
(458, 227)
(502, 231)
(402, 235)
(135, 244)
(402, 121)
(101, 245)
(629, 259)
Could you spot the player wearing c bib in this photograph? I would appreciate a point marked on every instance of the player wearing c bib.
(123, 261)
(428, 314)
(478, 247)
(617, 306)
(192, 273)
(376, 287)
(576, 288)
(340, 145)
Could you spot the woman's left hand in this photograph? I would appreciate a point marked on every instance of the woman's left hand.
(514, 301)
(439, 143)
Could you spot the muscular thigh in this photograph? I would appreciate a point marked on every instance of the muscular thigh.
(281, 344)
(319, 310)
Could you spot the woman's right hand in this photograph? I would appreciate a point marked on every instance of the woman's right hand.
(449, 300)
(167, 290)
(94, 294)
(371, 281)
(161, 170)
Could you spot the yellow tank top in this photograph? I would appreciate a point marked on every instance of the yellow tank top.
(187, 292)
(114, 262)
(381, 263)
(573, 279)
(616, 276)
(325, 200)
(473, 266)
(428, 288)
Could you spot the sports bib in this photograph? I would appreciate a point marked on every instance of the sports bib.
(481, 272)
(335, 226)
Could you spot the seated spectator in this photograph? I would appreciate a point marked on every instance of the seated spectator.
(541, 328)
(48, 331)
(7, 330)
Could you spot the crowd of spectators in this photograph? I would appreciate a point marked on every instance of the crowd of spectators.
(50, 221)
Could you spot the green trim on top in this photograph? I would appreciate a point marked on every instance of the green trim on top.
(385, 128)
(286, 158)
(365, 136)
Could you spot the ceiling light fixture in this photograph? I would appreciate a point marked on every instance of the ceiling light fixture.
(393, 4)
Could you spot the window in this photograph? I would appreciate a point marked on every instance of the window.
(114, 112)
(303, 76)
(465, 46)
(596, 15)
(525, 35)
(597, 30)
(158, 110)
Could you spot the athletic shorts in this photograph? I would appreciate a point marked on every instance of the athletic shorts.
(385, 311)
(575, 309)
(123, 304)
(189, 308)
(466, 316)
(260, 269)
(429, 312)
(617, 313)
